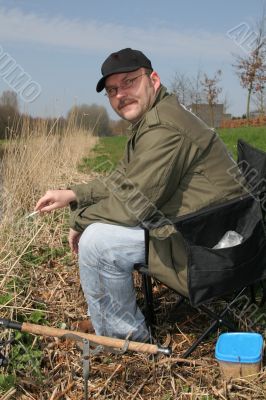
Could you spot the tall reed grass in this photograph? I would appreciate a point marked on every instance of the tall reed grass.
(38, 159)
(42, 157)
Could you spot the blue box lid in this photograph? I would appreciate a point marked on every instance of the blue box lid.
(239, 347)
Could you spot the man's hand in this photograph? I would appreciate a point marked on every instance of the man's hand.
(73, 240)
(54, 199)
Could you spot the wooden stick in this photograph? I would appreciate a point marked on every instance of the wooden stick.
(99, 340)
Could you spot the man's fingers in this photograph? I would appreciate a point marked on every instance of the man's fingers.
(54, 199)
(73, 246)
(40, 204)
(47, 205)
(70, 242)
(73, 240)
(43, 202)
(46, 209)
(73, 243)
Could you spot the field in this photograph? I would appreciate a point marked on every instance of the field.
(40, 284)
(111, 148)
(255, 136)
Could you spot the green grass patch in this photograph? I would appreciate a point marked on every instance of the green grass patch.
(109, 150)
(105, 156)
(37, 256)
(256, 136)
(25, 356)
(5, 298)
(6, 382)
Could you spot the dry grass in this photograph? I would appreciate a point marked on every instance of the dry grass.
(129, 376)
(49, 283)
(40, 158)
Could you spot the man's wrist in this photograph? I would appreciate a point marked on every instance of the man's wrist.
(71, 195)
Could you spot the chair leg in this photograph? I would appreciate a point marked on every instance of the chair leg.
(213, 327)
(148, 300)
(147, 288)
(218, 320)
(252, 294)
(263, 299)
(208, 331)
(219, 317)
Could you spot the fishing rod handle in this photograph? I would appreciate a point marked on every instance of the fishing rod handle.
(7, 323)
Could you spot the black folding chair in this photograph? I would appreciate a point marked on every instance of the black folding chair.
(252, 163)
(215, 273)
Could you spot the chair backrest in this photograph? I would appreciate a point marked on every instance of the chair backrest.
(252, 163)
(216, 272)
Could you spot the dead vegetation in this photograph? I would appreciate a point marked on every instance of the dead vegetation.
(55, 288)
(40, 283)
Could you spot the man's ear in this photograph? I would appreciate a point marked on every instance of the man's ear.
(156, 81)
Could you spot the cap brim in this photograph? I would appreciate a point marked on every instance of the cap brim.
(101, 83)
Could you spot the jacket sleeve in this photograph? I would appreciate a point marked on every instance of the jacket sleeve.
(92, 192)
(160, 158)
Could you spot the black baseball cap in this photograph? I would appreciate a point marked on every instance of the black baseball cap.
(124, 60)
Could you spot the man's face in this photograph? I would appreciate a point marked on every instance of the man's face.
(130, 98)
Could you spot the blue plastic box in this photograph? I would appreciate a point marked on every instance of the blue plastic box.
(239, 354)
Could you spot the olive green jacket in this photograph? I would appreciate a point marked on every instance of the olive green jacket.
(173, 164)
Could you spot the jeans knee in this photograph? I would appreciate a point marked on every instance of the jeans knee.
(90, 243)
(116, 248)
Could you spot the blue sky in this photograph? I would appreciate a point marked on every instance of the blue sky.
(62, 44)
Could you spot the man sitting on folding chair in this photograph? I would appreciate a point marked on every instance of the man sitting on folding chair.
(174, 164)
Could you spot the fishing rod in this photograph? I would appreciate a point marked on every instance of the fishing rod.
(79, 336)
(111, 344)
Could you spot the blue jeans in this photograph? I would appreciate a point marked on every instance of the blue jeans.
(107, 254)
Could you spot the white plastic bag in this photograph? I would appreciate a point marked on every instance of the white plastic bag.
(229, 239)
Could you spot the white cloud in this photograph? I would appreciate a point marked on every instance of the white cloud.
(17, 26)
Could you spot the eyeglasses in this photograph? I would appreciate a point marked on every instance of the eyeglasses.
(126, 84)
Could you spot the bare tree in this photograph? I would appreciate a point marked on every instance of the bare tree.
(196, 90)
(9, 99)
(187, 89)
(212, 91)
(119, 127)
(91, 117)
(259, 101)
(226, 103)
(258, 97)
(9, 113)
(251, 69)
(180, 87)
